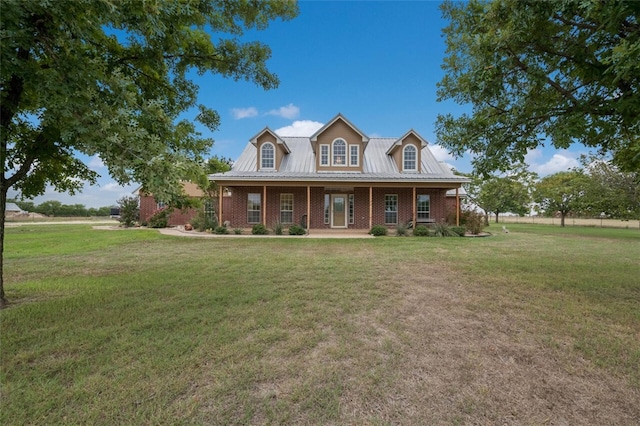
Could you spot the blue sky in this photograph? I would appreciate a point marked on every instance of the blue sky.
(377, 63)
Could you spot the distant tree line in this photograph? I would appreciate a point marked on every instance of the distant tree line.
(56, 208)
(597, 189)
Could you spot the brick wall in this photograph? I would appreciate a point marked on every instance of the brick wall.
(235, 207)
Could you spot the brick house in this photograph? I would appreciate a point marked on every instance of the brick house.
(337, 178)
(149, 205)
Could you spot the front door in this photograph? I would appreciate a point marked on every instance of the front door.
(338, 211)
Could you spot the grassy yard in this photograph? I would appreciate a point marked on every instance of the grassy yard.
(537, 326)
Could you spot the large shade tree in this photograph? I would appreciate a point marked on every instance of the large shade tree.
(108, 78)
(542, 72)
(562, 193)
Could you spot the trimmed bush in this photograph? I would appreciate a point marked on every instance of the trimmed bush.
(221, 230)
(237, 231)
(259, 229)
(421, 231)
(475, 223)
(297, 230)
(378, 230)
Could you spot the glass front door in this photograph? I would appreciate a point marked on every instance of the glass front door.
(338, 211)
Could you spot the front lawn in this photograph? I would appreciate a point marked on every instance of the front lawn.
(131, 327)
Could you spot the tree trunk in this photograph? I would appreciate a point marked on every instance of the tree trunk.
(3, 203)
(497, 217)
(562, 215)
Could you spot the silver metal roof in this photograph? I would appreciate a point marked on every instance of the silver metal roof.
(299, 165)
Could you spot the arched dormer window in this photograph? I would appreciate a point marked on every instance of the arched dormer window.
(267, 156)
(410, 158)
(339, 152)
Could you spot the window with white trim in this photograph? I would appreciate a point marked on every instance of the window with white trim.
(339, 152)
(354, 155)
(327, 201)
(391, 209)
(253, 208)
(410, 158)
(324, 155)
(423, 205)
(286, 208)
(267, 156)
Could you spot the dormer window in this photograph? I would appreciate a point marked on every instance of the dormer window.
(339, 152)
(267, 156)
(409, 158)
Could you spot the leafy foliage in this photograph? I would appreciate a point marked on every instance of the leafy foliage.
(129, 210)
(297, 230)
(159, 218)
(221, 230)
(474, 223)
(562, 192)
(402, 229)
(378, 230)
(259, 229)
(441, 229)
(278, 228)
(564, 71)
(421, 231)
(203, 221)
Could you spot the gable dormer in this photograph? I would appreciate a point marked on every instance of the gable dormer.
(270, 150)
(339, 146)
(407, 152)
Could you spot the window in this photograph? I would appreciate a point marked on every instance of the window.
(351, 209)
(161, 205)
(339, 153)
(354, 151)
(327, 200)
(286, 208)
(253, 208)
(267, 156)
(423, 207)
(409, 158)
(324, 155)
(391, 209)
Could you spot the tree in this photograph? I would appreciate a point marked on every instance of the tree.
(562, 192)
(611, 191)
(538, 72)
(501, 194)
(111, 79)
(129, 210)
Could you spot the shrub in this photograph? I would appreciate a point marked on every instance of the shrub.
(460, 230)
(128, 210)
(402, 229)
(259, 229)
(203, 221)
(378, 230)
(441, 229)
(297, 230)
(278, 228)
(160, 218)
(237, 231)
(475, 222)
(421, 231)
(221, 230)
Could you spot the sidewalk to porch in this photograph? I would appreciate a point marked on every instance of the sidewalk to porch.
(314, 233)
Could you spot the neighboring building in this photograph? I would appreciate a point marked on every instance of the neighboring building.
(337, 178)
(12, 209)
(149, 205)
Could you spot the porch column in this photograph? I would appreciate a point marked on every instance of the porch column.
(308, 209)
(220, 221)
(413, 209)
(370, 207)
(457, 208)
(264, 207)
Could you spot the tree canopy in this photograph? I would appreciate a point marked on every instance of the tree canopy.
(111, 79)
(562, 192)
(541, 72)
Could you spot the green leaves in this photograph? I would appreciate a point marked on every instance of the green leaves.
(560, 71)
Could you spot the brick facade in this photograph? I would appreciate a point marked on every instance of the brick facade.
(235, 211)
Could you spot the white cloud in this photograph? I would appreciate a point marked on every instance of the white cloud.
(96, 162)
(440, 153)
(290, 111)
(559, 162)
(300, 128)
(112, 187)
(240, 113)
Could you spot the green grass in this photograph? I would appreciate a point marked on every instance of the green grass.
(134, 327)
